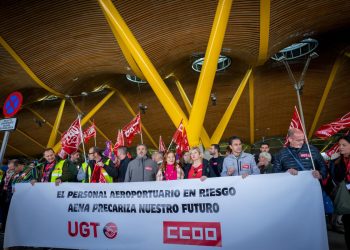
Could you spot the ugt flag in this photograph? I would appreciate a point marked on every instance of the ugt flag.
(295, 123)
(332, 128)
(71, 139)
(183, 145)
(119, 143)
(89, 133)
(131, 129)
(161, 147)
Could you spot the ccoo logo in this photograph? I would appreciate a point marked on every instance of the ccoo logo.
(192, 233)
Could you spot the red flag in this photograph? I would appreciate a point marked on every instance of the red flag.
(335, 148)
(332, 128)
(71, 139)
(120, 142)
(183, 145)
(295, 123)
(161, 147)
(131, 129)
(177, 137)
(89, 133)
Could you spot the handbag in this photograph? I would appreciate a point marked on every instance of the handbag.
(342, 200)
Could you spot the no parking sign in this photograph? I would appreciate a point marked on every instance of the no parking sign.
(12, 104)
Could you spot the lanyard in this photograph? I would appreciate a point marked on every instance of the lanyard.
(297, 160)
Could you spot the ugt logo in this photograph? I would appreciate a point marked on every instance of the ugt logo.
(91, 229)
(192, 233)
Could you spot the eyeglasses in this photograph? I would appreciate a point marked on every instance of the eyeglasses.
(91, 153)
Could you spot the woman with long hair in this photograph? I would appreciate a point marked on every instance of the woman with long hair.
(169, 170)
(200, 167)
(340, 170)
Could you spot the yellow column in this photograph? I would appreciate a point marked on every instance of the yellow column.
(264, 30)
(53, 135)
(204, 135)
(184, 97)
(124, 48)
(325, 94)
(208, 71)
(251, 107)
(219, 131)
(88, 116)
(153, 78)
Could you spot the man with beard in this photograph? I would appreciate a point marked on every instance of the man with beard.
(141, 168)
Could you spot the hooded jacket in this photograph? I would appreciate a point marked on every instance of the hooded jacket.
(243, 164)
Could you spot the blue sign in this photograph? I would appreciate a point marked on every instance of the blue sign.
(12, 104)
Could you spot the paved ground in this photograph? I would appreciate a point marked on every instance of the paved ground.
(336, 242)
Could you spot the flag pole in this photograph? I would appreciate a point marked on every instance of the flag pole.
(159, 143)
(95, 133)
(141, 129)
(298, 87)
(171, 143)
(81, 136)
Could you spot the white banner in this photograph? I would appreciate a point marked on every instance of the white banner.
(275, 211)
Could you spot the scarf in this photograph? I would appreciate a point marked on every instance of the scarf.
(47, 171)
(9, 174)
(170, 172)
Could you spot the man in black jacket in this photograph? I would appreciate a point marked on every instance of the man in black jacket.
(216, 161)
(296, 156)
(123, 163)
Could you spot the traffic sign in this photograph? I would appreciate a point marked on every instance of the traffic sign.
(12, 104)
(8, 124)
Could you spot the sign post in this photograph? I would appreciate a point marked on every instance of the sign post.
(11, 107)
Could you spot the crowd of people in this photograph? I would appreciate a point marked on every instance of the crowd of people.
(98, 168)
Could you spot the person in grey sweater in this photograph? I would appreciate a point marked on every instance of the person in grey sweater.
(238, 162)
(141, 168)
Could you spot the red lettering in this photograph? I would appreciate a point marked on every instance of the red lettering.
(70, 228)
(94, 226)
(83, 228)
